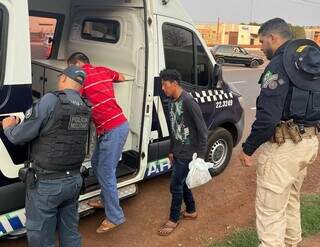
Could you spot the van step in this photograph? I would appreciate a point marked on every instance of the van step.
(124, 192)
(124, 170)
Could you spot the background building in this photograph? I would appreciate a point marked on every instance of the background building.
(313, 33)
(234, 34)
(244, 35)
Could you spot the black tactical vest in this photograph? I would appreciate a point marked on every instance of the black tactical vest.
(303, 105)
(302, 65)
(61, 145)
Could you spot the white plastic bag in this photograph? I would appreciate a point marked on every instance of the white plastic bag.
(198, 172)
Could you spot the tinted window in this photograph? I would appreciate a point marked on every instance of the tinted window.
(42, 32)
(204, 66)
(101, 30)
(226, 49)
(3, 40)
(179, 51)
(244, 51)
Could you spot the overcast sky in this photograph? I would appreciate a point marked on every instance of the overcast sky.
(299, 12)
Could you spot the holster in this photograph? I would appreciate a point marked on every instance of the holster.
(279, 137)
(27, 175)
(293, 131)
(287, 130)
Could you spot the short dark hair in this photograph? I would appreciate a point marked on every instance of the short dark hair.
(276, 25)
(170, 75)
(78, 56)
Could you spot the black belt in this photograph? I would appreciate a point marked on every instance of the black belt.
(56, 175)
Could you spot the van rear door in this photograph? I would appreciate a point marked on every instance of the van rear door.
(15, 77)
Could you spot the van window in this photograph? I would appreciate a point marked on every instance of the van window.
(179, 51)
(204, 65)
(3, 40)
(107, 31)
(42, 32)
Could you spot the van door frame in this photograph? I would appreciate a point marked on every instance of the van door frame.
(3, 41)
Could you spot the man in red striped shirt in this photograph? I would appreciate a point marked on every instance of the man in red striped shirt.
(112, 129)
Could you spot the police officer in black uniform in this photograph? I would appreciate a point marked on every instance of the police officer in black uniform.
(288, 114)
(57, 127)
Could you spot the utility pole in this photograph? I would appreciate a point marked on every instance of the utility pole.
(218, 31)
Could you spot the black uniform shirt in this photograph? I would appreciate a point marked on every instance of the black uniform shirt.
(270, 103)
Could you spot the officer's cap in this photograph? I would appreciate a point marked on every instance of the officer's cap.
(75, 73)
(302, 64)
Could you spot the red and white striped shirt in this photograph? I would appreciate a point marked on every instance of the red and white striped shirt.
(98, 89)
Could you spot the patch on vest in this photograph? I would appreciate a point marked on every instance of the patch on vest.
(79, 123)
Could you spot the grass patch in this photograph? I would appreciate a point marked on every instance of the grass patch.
(310, 210)
(310, 215)
(243, 238)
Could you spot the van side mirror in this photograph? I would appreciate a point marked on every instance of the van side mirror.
(217, 76)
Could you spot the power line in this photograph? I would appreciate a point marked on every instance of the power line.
(311, 2)
(304, 3)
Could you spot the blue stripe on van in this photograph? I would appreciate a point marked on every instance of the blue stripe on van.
(15, 223)
(2, 230)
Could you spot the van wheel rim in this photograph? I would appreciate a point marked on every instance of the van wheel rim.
(218, 153)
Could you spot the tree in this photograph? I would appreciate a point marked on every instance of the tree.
(298, 32)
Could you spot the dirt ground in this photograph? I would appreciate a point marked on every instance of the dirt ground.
(225, 204)
(312, 242)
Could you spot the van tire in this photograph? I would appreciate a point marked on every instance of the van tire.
(220, 146)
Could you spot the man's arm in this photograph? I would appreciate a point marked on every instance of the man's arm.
(117, 76)
(35, 119)
(196, 116)
(270, 105)
(121, 77)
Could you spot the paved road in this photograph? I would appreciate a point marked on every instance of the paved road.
(245, 80)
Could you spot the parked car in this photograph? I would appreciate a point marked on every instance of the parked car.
(236, 55)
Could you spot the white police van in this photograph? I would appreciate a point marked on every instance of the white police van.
(138, 38)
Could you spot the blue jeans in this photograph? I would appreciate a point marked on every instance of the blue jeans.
(179, 190)
(104, 162)
(52, 205)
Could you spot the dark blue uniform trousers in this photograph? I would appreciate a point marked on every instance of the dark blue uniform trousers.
(53, 205)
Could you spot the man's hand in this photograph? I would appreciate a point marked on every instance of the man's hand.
(10, 122)
(171, 159)
(246, 160)
(121, 77)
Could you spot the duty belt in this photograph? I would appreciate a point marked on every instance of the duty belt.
(41, 175)
(290, 130)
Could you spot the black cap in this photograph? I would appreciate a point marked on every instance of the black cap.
(302, 64)
(75, 73)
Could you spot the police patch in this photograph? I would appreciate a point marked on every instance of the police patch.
(270, 80)
(79, 123)
(28, 113)
(273, 85)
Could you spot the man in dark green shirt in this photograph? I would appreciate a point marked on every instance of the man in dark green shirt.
(188, 136)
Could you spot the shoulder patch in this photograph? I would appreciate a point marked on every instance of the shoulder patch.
(270, 80)
(28, 113)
